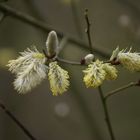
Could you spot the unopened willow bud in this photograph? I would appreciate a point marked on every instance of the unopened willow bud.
(89, 58)
(52, 44)
(114, 54)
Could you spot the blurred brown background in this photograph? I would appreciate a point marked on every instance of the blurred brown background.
(77, 114)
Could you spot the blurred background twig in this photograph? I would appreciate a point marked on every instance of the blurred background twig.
(42, 25)
(16, 121)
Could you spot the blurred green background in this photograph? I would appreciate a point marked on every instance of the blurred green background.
(77, 114)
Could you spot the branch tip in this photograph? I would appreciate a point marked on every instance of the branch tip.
(114, 92)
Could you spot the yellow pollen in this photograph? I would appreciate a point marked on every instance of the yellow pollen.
(38, 55)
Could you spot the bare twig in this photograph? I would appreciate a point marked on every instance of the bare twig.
(68, 62)
(114, 92)
(44, 27)
(7, 111)
(82, 62)
(12, 116)
(107, 118)
(88, 30)
(90, 121)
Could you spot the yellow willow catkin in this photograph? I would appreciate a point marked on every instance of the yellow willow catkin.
(58, 78)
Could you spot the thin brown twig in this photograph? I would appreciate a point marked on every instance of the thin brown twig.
(12, 117)
(88, 30)
(82, 62)
(107, 119)
(68, 61)
(114, 92)
(7, 111)
(91, 122)
(80, 100)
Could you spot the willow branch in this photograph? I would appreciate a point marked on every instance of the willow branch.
(107, 118)
(44, 27)
(88, 31)
(114, 92)
(72, 62)
(68, 62)
(13, 118)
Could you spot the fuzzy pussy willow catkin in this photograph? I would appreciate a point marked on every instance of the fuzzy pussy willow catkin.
(58, 78)
(97, 72)
(94, 74)
(130, 60)
(29, 68)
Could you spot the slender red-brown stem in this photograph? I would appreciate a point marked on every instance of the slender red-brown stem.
(104, 104)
